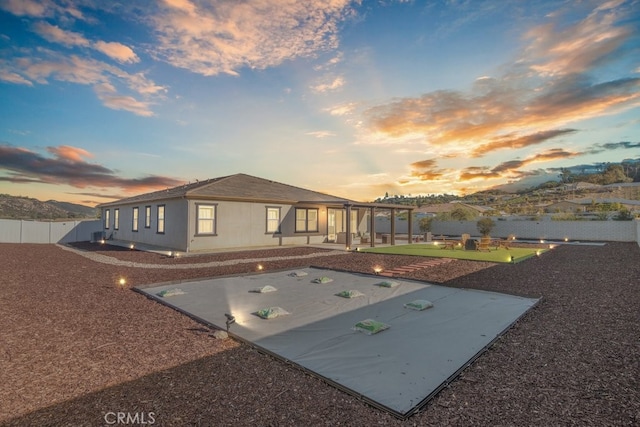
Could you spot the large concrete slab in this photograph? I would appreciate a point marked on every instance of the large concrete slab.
(398, 369)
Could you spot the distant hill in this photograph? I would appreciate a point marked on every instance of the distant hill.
(13, 207)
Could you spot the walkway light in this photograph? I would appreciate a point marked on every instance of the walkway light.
(377, 269)
(230, 320)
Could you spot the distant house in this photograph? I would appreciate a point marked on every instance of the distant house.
(565, 206)
(443, 208)
(237, 211)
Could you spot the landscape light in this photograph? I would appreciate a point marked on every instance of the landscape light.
(102, 241)
(260, 267)
(537, 253)
(513, 259)
(132, 246)
(230, 320)
(566, 239)
(377, 269)
(541, 241)
(122, 282)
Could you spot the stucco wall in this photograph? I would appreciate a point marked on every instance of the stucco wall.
(21, 231)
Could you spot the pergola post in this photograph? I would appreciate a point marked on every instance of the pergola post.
(410, 226)
(372, 227)
(393, 226)
(348, 229)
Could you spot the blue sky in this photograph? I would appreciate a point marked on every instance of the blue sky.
(102, 100)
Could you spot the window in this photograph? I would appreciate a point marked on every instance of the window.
(306, 220)
(116, 219)
(161, 219)
(273, 220)
(135, 219)
(147, 217)
(106, 219)
(206, 220)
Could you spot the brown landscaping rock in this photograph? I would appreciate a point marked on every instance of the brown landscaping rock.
(75, 345)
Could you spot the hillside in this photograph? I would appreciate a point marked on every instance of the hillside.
(12, 207)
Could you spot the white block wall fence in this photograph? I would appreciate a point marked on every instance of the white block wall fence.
(23, 231)
(605, 231)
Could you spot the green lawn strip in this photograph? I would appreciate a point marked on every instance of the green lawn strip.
(495, 255)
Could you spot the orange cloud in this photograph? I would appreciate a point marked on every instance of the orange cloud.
(68, 153)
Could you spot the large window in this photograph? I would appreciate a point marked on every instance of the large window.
(134, 225)
(206, 220)
(147, 217)
(106, 219)
(161, 219)
(306, 220)
(273, 220)
(116, 219)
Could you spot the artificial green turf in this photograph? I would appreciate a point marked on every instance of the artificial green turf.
(430, 250)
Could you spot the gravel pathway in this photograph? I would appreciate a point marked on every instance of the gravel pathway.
(94, 256)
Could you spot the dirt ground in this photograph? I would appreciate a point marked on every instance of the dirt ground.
(76, 349)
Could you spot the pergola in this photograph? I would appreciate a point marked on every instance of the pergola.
(372, 220)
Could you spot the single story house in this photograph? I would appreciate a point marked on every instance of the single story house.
(238, 211)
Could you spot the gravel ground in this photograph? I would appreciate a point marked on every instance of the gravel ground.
(74, 348)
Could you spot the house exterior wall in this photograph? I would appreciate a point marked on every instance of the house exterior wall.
(244, 224)
(175, 232)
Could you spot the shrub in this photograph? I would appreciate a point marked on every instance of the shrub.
(425, 224)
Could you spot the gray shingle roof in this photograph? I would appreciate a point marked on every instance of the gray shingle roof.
(239, 187)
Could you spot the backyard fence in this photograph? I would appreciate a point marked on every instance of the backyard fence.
(22, 231)
(611, 231)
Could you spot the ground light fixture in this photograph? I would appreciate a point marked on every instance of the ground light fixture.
(377, 269)
(132, 246)
(122, 283)
(230, 320)
(260, 267)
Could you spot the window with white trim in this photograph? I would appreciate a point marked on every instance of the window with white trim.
(116, 219)
(161, 219)
(134, 225)
(106, 219)
(306, 220)
(273, 220)
(206, 219)
(147, 217)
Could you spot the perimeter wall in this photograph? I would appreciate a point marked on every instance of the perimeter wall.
(23, 231)
(612, 231)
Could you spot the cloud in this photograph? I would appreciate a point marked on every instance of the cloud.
(55, 34)
(321, 133)
(622, 145)
(68, 166)
(577, 48)
(425, 170)
(511, 168)
(531, 102)
(107, 80)
(117, 51)
(342, 109)
(515, 141)
(329, 86)
(28, 7)
(211, 38)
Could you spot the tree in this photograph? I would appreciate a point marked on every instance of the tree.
(425, 224)
(460, 213)
(485, 225)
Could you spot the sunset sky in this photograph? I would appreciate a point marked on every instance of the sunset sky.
(108, 99)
